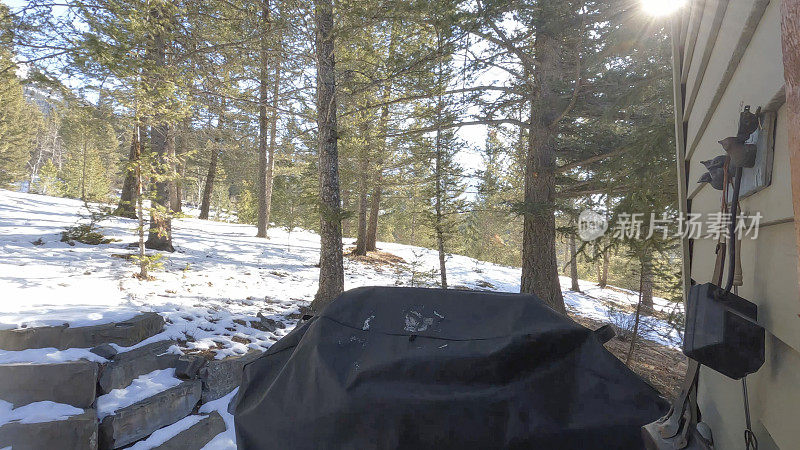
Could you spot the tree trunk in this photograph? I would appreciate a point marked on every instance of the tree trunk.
(83, 171)
(331, 268)
(361, 236)
(346, 226)
(375, 200)
(539, 264)
(173, 179)
(573, 263)
(377, 188)
(136, 150)
(374, 211)
(635, 325)
(439, 215)
(263, 157)
(599, 265)
(177, 205)
(273, 139)
(208, 189)
(127, 200)
(160, 234)
(180, 150)
(647, 282)
(442, 259)
(361, 232)
(161, 138)
(438, 173)
(790, 37)
(604, 270)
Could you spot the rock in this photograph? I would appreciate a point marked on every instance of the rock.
(126, 366)
(76, 432)
(105, 350)
(73, 383)
(139, 420)
(126, 334)
(196, 436)
(268, 324)
(222, 376)
(265, 324)
(188, 366)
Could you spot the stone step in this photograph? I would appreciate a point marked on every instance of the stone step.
(221, 376)
(139, 420)
(73, 383)
(196, 436)
(125, 333)
(125, 367)
(76, 432)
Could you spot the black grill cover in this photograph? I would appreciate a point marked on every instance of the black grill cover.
(431, 368)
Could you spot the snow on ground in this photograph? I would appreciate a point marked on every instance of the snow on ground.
(227, 439)
(162, 435)
(144, 386)
(216, 283)
(36, 412)
(49, 355)
(211, 291)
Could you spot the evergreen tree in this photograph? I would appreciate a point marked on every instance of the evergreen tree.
(331, 272)
(19, 121)
(90, 143)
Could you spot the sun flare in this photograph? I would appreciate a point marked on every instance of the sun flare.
(661, 8)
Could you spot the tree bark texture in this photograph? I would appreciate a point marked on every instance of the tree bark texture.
(127, 200)
(180, 150)
(161, 140)
(136, 147)
(331, 270)
(635, 325)
(647, 282)
(539, 264)
(173, 178)
(160, 234)
(374, 211)
(263, 87)
(346, 205)
(273, 140)
(790, 40)
(604, 270)
(363, 205)
(573, 263)
(377, 188)
(208, 188)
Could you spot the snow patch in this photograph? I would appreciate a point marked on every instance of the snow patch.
(145, 386)
(162, 435)
(48, 355)
(36, 412)
(221, 278)
(227, 439)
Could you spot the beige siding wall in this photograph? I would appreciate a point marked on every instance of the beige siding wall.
(768, 262)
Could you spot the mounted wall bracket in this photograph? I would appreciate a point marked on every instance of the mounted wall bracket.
(760, 175)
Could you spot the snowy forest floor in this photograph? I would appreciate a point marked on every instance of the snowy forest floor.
(215, 289)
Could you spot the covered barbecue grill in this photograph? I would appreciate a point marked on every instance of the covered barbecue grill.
(418, 368)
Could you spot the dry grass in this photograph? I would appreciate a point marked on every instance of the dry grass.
(377, 257)
(209, 354)
(240, 340)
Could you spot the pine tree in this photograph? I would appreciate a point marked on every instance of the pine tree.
(89, 141)
(18, 123)
(331, 271)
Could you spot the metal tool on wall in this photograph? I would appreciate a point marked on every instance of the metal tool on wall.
(722, 332)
